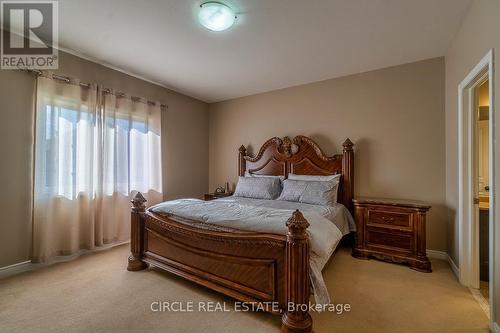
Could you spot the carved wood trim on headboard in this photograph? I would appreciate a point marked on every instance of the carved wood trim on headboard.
(279, 157)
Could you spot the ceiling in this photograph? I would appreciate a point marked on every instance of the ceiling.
(274, 43)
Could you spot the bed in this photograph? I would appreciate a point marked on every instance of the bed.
(272, 267)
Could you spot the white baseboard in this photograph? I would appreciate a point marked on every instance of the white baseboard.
(454, 268)
(15, 269)
(496, 328)
(437, 254)
(442, 255)
(28, 265)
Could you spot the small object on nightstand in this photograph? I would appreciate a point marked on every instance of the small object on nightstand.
(217, 195)
(391, 230)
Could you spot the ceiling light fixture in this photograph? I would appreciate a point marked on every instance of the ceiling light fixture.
(216, 16)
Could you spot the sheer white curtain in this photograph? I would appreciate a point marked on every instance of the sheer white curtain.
(92, 151)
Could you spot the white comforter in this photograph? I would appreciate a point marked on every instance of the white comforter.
(327, 224)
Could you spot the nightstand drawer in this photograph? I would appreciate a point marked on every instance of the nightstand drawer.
(395, 241)
(382, 218)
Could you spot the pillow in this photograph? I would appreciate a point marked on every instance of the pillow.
(312, 192)
(258, 187)
(314, 178)
(248, 174)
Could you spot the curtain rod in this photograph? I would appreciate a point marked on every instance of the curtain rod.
(87, 85)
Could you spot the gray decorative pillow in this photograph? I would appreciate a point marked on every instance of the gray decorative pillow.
(311, 192)
(248, 174)
(315, 178)
(258, 187)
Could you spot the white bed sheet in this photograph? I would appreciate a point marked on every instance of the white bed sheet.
(327, 224)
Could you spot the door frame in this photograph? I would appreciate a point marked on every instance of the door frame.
(467, 226)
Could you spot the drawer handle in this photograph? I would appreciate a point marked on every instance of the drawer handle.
(388, 219)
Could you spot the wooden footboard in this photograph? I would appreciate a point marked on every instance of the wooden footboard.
(250, 267)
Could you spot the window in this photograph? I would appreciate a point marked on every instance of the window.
(70, 152)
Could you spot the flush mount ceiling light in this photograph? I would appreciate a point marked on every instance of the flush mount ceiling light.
(216, 16)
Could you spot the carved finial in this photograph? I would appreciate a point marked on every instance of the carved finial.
(242, 150)
(138, 202)
(297, 224)
(347, 145)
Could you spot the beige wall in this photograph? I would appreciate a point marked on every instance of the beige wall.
(16, 104)
(184, 131)
(395, 116)
(479, 33)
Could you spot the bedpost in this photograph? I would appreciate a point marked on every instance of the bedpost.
(241, 161)
(348, 174)
(137, 234)
(296, 317)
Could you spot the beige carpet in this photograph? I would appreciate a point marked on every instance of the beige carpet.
(484, 289)
(97, 294)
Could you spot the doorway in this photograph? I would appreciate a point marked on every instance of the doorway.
(482, 199)
(476, 183)
(482, 188)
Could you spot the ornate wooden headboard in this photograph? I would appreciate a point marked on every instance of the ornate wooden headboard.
(301, 156)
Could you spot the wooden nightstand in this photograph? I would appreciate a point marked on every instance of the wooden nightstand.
(391, 230)
(212, 196)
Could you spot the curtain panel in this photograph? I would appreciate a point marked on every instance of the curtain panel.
(93, 151)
